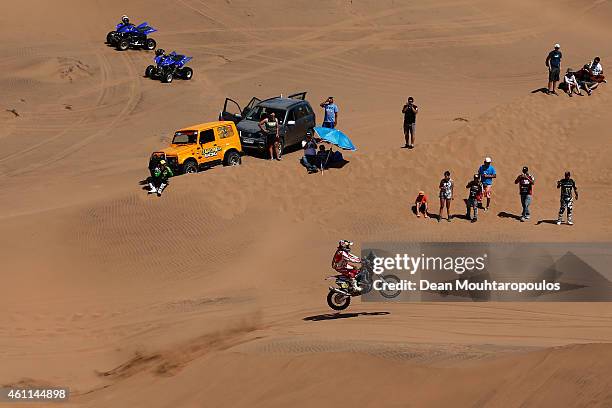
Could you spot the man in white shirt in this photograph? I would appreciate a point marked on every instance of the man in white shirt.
(571, 83)
(595, 67)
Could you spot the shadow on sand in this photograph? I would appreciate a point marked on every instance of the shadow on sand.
(504, 214)
(334, 316)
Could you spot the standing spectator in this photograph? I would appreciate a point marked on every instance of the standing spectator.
(525, 182)
(553, 62)
(271, 128)
(421, 205)
(487, 174)
(446, 195)
(568, 189)
(474, 192)
(330, 120)
(309, 160)
(410, 111)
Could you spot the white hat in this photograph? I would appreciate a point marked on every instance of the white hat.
(488, 160)
(557, 45)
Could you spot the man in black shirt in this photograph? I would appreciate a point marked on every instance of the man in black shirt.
(525, 182)
(568, 189)
(474, 193)
(410, 111)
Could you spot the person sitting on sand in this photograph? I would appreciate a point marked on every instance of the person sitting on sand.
(421, 205)
(309, 160)
(595, 68)
(585, 79)
(571, 83)
(161, 174)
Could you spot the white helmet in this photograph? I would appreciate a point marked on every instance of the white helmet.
(344, 243)
(488, 160)
(125, 19)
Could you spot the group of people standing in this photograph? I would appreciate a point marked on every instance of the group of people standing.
(588, 77)
(480, 188)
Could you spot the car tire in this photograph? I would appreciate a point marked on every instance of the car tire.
(167, 78)
(123, 45)
(232, 159)
(150, 44)
(149, 71)
(190, 167)
(187, 73)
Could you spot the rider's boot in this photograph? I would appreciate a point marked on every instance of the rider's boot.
(355, 285)
(152, 189)
(161, 188)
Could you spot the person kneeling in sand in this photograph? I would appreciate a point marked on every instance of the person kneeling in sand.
(421, 205)
(571, 83)
(161, 174)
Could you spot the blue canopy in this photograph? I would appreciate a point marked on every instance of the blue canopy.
(336, 137)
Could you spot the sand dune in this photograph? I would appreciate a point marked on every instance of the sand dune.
(213, 295)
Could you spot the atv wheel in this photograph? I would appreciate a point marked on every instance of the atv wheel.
(150, 44)
(167, 78)
(109, 37)
(123, 45)
(149, 71)
(187, 73)
(338, 301)
(232, 159)
(190, 167)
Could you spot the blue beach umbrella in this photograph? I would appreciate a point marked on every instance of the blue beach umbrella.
(336, 137)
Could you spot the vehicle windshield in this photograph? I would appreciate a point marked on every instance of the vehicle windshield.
(260, 112)
(185, 137)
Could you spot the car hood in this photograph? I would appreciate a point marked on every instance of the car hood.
(178, 150)
(248, 126)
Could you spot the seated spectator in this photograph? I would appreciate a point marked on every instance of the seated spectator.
(571, 83)
(585, 80)
(309, 160)
(595, 68)
(421, 205)
(323, 157)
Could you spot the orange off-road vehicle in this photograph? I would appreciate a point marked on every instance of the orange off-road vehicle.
(201, 146)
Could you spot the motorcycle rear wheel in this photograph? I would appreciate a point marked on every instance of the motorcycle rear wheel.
(338, 301)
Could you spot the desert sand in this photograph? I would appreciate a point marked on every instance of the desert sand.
(214, 294)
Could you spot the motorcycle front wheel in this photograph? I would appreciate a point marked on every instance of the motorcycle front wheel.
(338, 301)
(390, 294)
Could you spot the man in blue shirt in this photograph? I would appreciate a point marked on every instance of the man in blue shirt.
(553, 62)
(487, 174)
(331, 113)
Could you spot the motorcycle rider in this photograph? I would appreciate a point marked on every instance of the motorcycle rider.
(346, 263)
(161, 174)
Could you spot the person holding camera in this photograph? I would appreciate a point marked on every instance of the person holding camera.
(525, 182)
(410, 111)
(330, 119)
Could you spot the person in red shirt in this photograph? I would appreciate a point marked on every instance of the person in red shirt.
(421, 205)
(346, 263)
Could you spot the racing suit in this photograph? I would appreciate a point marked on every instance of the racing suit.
(340, 263)
(161, 174)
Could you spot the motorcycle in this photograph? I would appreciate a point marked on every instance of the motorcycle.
(170, 66)
(129, 35)
(339, 297)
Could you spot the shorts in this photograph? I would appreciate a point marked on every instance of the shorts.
(409, 128)
(270, 138)
(486, 190)
(553, 74)
(446, 195)
(330, 125)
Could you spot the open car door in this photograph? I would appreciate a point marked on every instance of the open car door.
(301, 96)
(254, 101)
(231, 111)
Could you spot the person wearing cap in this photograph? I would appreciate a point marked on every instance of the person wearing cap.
(446, 186)
(410, 111)
(568, 189)
(553, 62)
(161, 174)
(487, 174)
(421, 205)
(330, 119)
(525, 182)
(474, 193)
(309, 160)
(571, 83)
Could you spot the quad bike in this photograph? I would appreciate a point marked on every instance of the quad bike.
(129, 35)
(339, 297)
(169, 67)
